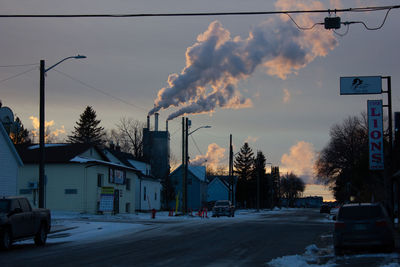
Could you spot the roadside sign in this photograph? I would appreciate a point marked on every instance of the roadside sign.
(107, 199)
(375, 135)
(360, 85)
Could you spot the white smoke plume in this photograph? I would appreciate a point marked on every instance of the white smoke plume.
(300, 161)
(217, 61)
(213, 157)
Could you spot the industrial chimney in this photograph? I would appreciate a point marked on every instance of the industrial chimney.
(156, 122)
(166, 125)
(148, 122)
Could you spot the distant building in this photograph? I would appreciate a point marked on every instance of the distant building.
(196, 187)
(218, 187)
(305, 202)
(156, 149)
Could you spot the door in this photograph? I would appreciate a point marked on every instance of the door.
(116, 201)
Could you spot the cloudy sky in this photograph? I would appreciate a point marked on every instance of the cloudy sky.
(258, 78)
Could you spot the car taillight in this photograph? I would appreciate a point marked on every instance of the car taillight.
(381, 223)
(339, 225)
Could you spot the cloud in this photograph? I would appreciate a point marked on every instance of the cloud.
(286, 96)
(300, 160)
(48, 124)
(213, 157)
(216, 62)
(251, 139)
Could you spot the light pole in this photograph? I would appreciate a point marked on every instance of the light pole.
(43, 70)
(185, 149)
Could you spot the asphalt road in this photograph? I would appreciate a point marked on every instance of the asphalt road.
(252, 241)
(219, 242)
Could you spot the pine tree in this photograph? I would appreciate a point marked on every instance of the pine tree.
(87, 129)
(18, 134)
(244, 165)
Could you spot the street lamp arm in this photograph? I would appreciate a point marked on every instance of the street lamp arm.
(76, 57)
(207, 126)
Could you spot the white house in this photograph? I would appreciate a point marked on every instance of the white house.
(147, 188)
(9, 164)
(77, 177)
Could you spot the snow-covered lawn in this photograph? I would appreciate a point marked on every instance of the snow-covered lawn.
(324, 257)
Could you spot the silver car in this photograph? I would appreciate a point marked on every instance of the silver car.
(362, 225)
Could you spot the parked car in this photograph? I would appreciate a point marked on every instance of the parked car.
(334, 212)
(325, 208)
(361, 226)
(223, 208)
(19, 221)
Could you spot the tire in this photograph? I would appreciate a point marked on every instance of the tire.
(41, 235)
(339, 251)
(6, 240)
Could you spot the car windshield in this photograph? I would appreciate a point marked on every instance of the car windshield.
(360, 212)
(222, 203)
(4, 205)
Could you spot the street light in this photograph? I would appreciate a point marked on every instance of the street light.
(185, 158)
(43, 70)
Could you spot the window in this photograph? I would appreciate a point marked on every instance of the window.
(25, 205)
(128, 184)
(128, 207)
(25, 191)
(144, 193)
(71, 191)
(100, 180)
(155, 196)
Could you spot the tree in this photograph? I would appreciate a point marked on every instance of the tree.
(343, 163)
(292, 187)
(261, 179)
(87, 129)
(18, 134)
(244, 164)
(131, 136)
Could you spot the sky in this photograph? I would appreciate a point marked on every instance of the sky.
(258, 78)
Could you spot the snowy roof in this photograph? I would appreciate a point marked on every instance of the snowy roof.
(80, 159)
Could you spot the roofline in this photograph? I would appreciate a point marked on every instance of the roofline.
(219, 181)
(11, 145)
(101, 162)
(205, 181)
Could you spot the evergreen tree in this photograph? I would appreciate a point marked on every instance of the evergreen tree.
(18, 134)
(244, 164)
(261, 179)
(87, 129)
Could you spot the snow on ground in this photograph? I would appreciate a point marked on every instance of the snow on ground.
(324, 257)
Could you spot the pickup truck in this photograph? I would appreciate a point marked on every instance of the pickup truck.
(18, 221)
(223, 208)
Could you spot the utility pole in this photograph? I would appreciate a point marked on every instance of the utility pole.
(230, 171)
(41, 136)
(183, 164)
(186, 162)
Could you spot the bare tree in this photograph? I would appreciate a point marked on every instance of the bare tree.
(292, 187)
(129, 136)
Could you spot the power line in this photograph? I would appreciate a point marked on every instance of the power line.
(100, 91)
(20, 65)
(365, 25)
(16, 75)
(198, 149)
(197, 14)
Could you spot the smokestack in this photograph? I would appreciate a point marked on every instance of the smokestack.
(148, 122)
(156, 122)
(166, 125)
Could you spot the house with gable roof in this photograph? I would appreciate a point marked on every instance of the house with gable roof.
(218, 187)
(147, 188)
(196, 187)
(10, 162)
(76, 175)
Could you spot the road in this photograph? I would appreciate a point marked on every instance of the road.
(215, 242)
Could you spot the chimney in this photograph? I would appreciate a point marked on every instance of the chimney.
(166, 125)
(156, 122)
(148, 122)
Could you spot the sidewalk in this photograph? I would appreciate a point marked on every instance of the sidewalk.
(60, 228)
